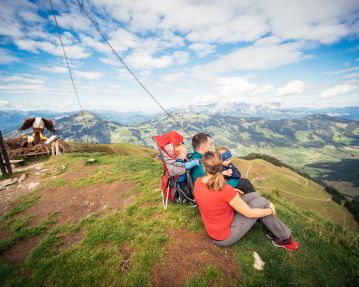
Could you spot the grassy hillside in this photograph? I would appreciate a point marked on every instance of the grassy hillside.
(137, 243)
(324, 147)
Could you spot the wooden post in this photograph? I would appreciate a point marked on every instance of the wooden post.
(52, 149)
(57, 147)
(2, 165)
(4, 157)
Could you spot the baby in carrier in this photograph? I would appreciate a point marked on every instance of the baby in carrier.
(181, 155)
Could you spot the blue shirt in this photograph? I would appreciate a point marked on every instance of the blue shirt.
(187, 165)
(234, 179)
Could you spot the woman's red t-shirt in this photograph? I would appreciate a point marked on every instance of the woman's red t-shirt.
(217, 214)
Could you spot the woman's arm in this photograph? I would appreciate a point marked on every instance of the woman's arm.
(241, 207)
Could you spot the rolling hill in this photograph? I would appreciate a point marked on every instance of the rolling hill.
(103, 224)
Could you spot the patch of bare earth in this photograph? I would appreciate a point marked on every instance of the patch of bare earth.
(18, 253)
(76, 203)
(73, 204)
(79, 170)
(10, 193)
(190, 252)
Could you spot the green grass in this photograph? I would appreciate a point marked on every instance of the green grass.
(23, 203)
(210, 276)
(328, 255)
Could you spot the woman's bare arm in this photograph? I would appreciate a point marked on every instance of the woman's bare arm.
(241, 207)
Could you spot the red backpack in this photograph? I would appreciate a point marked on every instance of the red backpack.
(171, 189)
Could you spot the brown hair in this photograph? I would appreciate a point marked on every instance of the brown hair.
(213, 165)
(199, 139)
(221, 150)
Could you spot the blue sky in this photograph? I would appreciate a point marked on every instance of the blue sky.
(281, 53)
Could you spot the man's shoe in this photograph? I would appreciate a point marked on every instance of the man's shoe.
(288, 244)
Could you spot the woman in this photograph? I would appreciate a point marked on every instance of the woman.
(228, 217)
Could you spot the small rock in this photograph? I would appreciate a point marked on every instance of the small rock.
(7, 182)
(38, 167)
(91, 161)
(21, 178)
(258, 262)
(63, 167)
(33, 185)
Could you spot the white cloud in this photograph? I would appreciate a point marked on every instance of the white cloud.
(343, 71)
(55, 69)
(88, 75)
(143, 60)
(239, 21)
(351, 76)
(75, 52)
(6, 57)
(180, 57)
(311, 20)
(291, 88)
(22, 84)
(4, 104)
(236, 89)
(173, 77)
(256, 57)
(338, 90)
(202, 49)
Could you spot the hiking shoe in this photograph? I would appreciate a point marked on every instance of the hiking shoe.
(270, 235)
(288, 244)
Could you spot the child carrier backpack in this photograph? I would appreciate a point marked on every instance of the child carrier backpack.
(172, 190)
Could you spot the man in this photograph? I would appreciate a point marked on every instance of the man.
(201, 143)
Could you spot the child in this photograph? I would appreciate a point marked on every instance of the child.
(231, 173)
(181, 154)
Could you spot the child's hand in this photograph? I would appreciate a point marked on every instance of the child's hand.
(230, 172)
(197, 161)
(227, 172)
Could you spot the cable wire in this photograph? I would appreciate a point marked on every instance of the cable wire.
(97, 27)
(70, 72)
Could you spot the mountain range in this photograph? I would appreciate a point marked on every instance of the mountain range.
(10, 119)
(325, 147)
(271, 111)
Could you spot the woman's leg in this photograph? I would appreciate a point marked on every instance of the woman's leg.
(245, 185)
(241, 224)
(239, 227)
(275, 225)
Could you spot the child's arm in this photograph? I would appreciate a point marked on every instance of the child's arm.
(235, 172)
(191, 164)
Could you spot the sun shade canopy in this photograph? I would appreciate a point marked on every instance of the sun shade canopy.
(172, 137)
